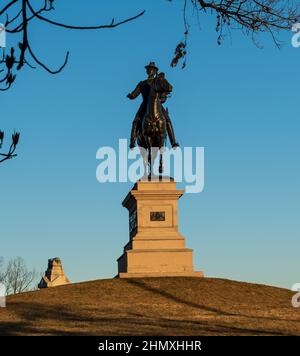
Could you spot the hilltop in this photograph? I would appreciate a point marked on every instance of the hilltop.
(152, 306)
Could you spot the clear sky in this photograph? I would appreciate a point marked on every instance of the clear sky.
(239, 102)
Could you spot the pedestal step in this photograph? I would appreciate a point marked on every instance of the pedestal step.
(161, 274)
(166, 262)
(150, 244)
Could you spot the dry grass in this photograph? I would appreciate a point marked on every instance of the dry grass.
(153, 306)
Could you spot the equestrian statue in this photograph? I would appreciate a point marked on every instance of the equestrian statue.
(152, 121)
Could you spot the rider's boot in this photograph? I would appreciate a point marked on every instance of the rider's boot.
(133, 134)
(171, 134)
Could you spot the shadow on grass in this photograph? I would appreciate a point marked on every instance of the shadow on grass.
(143, 285)
(38, 319)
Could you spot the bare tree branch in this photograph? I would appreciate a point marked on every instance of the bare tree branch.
(20, 23)
(17, 277)
(249, 16)
(72, 27)
(11, 152)
(2, 271)
(6, 7)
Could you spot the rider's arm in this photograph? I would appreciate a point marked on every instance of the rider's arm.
(135, 93)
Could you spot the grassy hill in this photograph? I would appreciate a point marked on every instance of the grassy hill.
(153, 306)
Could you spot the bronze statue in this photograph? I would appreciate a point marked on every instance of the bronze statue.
(152, 120)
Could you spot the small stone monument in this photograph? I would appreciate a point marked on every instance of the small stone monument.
(55, 275)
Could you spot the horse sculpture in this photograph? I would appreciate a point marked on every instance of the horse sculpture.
(152, 136)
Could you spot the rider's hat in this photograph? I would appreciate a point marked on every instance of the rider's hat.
(151, 65)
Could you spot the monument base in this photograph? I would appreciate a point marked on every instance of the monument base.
(155, 248)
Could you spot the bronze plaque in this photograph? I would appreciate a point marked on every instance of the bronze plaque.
(157, 216)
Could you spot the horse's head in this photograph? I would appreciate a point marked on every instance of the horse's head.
(162, 87)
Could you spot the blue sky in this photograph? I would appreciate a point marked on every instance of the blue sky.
(239, 102)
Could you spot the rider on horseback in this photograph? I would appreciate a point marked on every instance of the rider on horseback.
(144, 88)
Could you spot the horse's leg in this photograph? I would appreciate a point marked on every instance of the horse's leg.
(144, 154)
(161, 168)
(149, 156)
(150, 162)
(154, 152)
(161, 151)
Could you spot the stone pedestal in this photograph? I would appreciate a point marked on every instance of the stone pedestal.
(155, 247)
(55, 275)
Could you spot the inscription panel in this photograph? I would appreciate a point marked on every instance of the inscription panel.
(157, 216)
